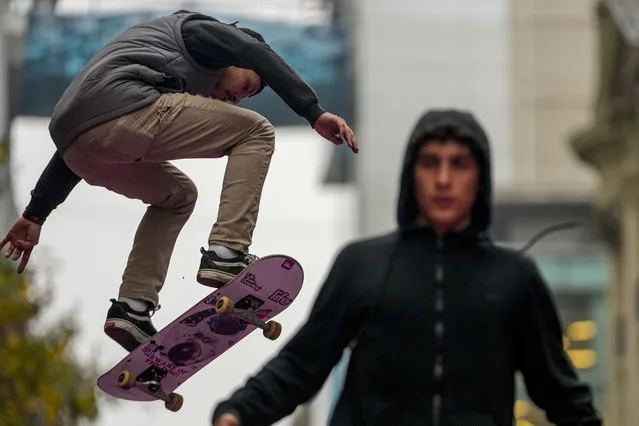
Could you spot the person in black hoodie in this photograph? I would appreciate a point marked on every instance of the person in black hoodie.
(438, 317)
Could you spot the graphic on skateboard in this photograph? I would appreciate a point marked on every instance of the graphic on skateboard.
(208, 329)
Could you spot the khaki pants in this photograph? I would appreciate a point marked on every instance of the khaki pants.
(130, 155)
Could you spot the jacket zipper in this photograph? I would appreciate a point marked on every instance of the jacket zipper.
(439, 331)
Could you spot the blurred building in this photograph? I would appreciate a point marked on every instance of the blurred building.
(608, 143)
(553, 56)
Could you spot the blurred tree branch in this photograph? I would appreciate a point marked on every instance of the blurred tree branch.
(40, 382)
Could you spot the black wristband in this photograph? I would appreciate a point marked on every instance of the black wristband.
(33, 218)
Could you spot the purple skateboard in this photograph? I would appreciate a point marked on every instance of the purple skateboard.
(160, 365)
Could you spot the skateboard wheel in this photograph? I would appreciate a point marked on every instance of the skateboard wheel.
(175, 402)
(126, 380)
(224, 305)
(274, 330)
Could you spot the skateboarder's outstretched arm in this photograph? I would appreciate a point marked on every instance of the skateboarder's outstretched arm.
(53, 187)
(217, 45)
(298, 372)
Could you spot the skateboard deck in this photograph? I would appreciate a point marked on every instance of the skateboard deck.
(204, 332)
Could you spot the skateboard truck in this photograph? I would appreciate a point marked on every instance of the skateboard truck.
(271, 329)
(172, 401)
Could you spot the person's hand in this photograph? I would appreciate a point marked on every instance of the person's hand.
(22, 238)
(227, 420)
(335, 129)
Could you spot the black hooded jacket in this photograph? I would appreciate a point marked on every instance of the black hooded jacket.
(440, 325)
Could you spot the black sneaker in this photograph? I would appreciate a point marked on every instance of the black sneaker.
(216, 271)
(128, 327)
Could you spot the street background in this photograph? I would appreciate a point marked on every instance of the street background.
(553, 82)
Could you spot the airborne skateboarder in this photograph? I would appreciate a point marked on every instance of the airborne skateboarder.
(163, 90)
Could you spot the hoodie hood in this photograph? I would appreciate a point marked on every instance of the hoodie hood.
(439, 125)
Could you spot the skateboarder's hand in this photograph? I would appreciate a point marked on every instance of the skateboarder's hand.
(22, 238)
(227, 420)
(335, 129)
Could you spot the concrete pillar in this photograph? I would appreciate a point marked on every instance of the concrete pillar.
(610, 145)
(609, 406)
(10, 36)
(629, 272)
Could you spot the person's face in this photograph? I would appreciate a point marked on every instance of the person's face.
(236, 84)
(446, 182)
